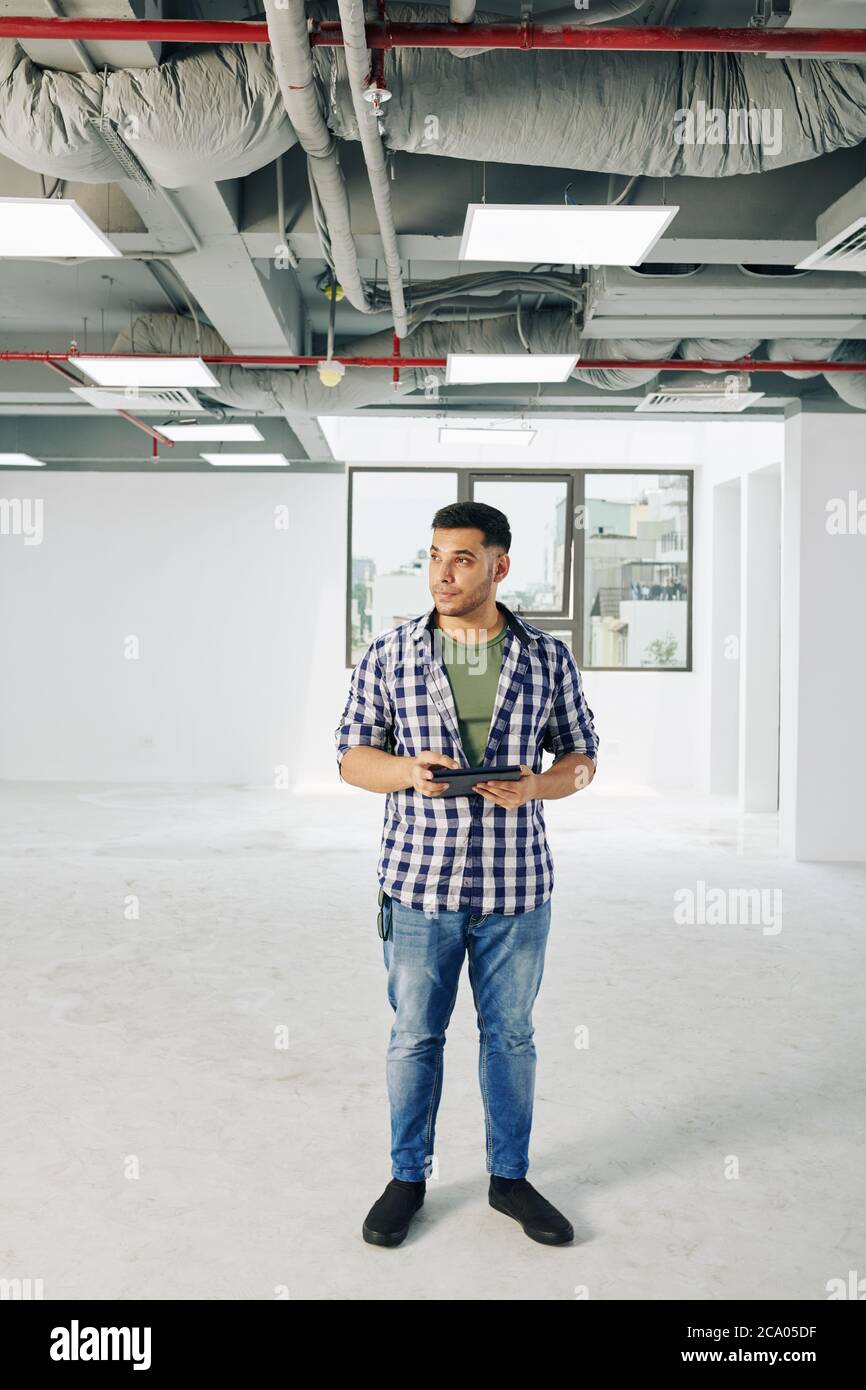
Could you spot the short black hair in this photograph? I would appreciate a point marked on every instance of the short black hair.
(492, 523)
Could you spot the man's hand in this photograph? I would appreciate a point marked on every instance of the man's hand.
(510, 794)
(423, 778)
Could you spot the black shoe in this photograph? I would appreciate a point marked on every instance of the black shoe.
(388, 1218)
(538, 1217)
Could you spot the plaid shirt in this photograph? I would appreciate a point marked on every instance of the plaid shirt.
(447, 854)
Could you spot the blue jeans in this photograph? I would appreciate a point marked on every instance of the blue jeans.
(424, 956)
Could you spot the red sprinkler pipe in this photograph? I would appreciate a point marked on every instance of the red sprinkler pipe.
(50, 361)
(520, 36)
(668, 364)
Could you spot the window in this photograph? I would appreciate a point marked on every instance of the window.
(636, 571)
(600, 558)
(390, 512)
(536, 507)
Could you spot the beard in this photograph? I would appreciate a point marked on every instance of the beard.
(467, 602)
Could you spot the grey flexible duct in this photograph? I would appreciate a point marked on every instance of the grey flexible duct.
(357, 58)
(293, 64)
(218, 113)
(300, 392)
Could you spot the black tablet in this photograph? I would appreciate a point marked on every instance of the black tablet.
(461, 780)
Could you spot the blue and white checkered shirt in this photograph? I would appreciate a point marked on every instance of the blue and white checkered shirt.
(448, 854)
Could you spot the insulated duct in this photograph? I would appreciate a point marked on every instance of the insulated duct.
(216, 113)
(298, 391)
(209, 114)
(357, 59)
(293, 64)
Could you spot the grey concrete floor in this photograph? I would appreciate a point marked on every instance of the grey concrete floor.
(159, 1142)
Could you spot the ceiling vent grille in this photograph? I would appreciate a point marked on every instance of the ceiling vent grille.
(706, 403)
(151, 401)
(847, 251)
(841, 234)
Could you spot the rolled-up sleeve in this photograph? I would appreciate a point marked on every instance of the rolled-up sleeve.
(367, 720)
(570, 728)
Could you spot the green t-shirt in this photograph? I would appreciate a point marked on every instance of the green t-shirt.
(473, 674)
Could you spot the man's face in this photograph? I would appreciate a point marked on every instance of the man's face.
(462, 572)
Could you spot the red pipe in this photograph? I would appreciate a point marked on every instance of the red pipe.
(50, 361)
(667, 364)
(326, 33)
(395, 349)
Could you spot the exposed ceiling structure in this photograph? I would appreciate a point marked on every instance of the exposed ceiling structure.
(237, 182)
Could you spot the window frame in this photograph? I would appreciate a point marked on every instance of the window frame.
(575, 552)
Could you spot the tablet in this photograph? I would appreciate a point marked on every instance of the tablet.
(462, 779)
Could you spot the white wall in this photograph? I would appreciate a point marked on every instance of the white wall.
(240, 627)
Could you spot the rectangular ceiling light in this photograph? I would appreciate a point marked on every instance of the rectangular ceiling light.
(486, 436)
(562, 233)
(49, 227)
(247, 460)
(20, 461)
(212, 434)
(145, 371)
(467, 368)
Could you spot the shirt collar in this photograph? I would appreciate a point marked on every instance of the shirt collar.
(426, 622)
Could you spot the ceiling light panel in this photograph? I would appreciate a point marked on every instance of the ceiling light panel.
(247, 460)
(466, 368)
(145, 371)
(486, 437)
(20, 461)
(562, 234)
(212, 434)
(49, 227)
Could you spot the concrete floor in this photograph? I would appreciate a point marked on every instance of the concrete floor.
(146, 1047)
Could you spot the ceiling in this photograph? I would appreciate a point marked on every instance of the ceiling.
(694, 285)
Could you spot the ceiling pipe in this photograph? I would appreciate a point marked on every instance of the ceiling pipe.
(600, 11)
(520, 36)
(293, 65)
(669, 364)
(367, 115)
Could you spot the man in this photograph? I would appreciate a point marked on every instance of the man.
(469, 684)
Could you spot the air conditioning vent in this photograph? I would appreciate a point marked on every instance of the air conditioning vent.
(705, 403)
(847, 251)
(149, 401)
(841, 235)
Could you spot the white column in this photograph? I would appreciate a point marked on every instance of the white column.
(760, 565)
(823, 748)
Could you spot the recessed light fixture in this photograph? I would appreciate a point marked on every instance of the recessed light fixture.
(20, 461)
(145, 371)
(49, 227)
(214, 434)
(562, 233)
(469, 368)
(486, 436)
(247, 460)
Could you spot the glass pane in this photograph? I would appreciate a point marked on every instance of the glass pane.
(536, 511)
(636, 570)
(392, 515)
